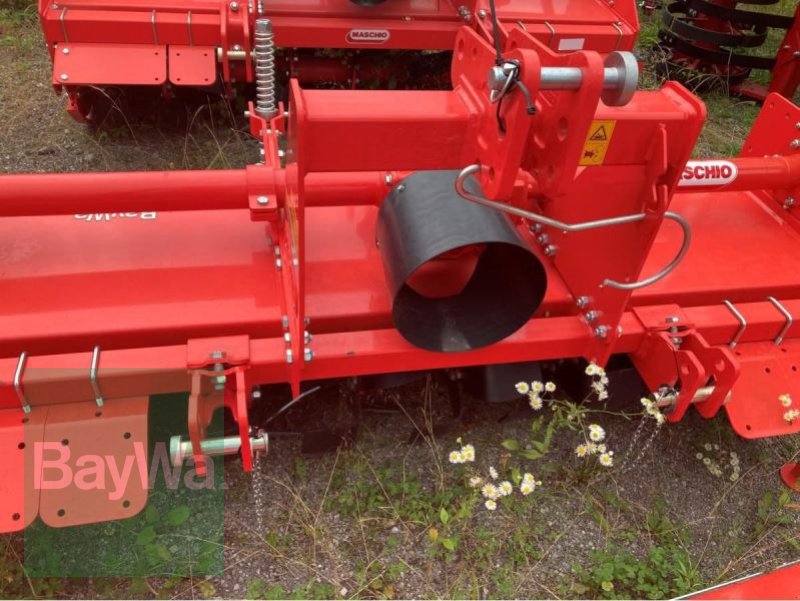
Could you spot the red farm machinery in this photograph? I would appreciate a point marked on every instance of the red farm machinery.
(536, 207)
(718, 41)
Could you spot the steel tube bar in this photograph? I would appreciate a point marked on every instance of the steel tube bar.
(90, 193)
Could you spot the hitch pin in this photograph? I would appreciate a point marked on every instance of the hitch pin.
(18, 373)
(98, 395)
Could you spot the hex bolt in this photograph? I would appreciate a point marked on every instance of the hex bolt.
(672, 319)
(308, 355)
(285, 322)
(401, 188)
(307, 337)
(582, 302)
(256, 396)
(535, 228)
(234, 6)
(65, 51)
(550, 250)
(482, 13)
(793, 144)
(592, 316)
(287, 337)
(289, 356)
(601, 332)
(262, 200)
(388, 179)
(217, 355)
(278, 263)
(64, 77)
(789, 202)
(543, 239)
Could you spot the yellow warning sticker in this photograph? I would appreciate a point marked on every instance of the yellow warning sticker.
(597, 141)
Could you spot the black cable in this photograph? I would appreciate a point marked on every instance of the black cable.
(496, 33)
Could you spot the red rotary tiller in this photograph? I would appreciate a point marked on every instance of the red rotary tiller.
(539, 208)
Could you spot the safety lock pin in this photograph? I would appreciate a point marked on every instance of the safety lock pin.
(18, 373)
(789, 319)
(98, 395)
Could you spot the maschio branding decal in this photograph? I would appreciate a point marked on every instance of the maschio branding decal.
(708, 173)
(368, 36)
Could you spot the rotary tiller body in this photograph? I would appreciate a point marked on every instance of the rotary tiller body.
(545, 211)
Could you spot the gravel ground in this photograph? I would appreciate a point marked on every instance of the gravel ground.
(287, 527)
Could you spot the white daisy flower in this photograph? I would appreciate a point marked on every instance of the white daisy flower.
(522, 387)
(456, 457)
(505, 488)
(490, 491)
(582, 450)
(535, 401)
(468, 453)
(602, 395)
(606, 460)
(537, 386)
(646, 403)
(526, 488)
(490, 504)
(493, 473)
(596, 433)
(785, 400)
(550, 387)
(591, 369)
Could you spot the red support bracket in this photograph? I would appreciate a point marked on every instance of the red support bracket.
(790, 474)
(218, 369)
(675, 356)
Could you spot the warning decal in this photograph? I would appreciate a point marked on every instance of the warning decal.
(597, 141)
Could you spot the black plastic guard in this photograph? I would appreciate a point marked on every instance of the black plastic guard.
(422, 218)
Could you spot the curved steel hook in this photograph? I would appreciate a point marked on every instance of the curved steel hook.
(582, 226)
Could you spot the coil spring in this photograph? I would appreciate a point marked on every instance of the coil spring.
(264, 59)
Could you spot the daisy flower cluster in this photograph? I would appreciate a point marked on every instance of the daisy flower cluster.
(536, 391)
(717, 461)
(493, 491)
(599, 380)
(595, 446)
(651, 408)
(791, 414)
(465, 454)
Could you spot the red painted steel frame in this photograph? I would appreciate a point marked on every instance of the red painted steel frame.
(783, 583)
(167, 289)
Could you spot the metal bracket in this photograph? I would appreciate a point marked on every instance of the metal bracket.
(786, 314)
(18, 374)
(742, 321)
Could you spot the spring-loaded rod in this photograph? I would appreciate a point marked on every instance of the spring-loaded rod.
(264, 60)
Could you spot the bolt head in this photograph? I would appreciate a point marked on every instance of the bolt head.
(592, 316)
(278, 263)
(287, 337)
(582, 302)
(308, 355)
(234, 6)
(262, 200)
(256, 394)
(789, 202)
(388, 179)
(65, 51)
(482, 13)
(672, 319)
(289, 356)
(64, 77)
(217, 355)
(793, 144)
(601, 332)
(550, 250)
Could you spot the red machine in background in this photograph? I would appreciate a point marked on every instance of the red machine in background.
(714, 40)
(539, 208)
(208, 44)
